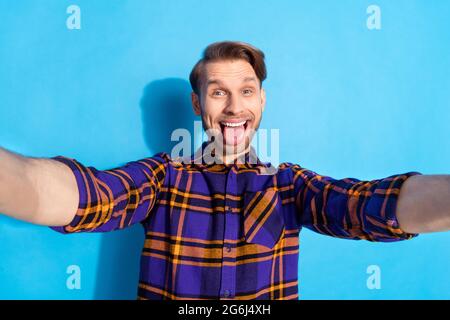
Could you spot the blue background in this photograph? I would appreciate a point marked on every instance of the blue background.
(349, 102)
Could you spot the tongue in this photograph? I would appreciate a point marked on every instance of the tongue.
(233, 135)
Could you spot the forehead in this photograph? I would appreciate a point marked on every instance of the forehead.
(228, 71)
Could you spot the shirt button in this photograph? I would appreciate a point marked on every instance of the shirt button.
(226, 293)
(227, 208)
(228, 248)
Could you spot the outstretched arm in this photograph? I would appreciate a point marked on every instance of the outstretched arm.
(350, 208)
(424, 204)
(69, 197)
(37, 190)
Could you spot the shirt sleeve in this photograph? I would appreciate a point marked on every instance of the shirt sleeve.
(115, 198)
(350, 208)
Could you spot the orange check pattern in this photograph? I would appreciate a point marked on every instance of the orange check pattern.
(229, 231)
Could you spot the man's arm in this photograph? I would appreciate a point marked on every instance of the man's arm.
(38, 190)
(424, 204)
(350, 208)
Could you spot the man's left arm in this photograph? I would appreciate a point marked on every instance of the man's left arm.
(424, 204)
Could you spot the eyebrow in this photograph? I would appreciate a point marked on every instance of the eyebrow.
(216, 81)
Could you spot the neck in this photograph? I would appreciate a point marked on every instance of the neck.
(230, 154)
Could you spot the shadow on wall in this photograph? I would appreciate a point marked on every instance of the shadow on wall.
(165, 106)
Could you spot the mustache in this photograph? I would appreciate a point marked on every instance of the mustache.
(246, 117)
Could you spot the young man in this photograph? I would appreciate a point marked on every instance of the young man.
(222, 229)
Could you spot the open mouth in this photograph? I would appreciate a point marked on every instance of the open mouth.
(233, 131)
(233, 124)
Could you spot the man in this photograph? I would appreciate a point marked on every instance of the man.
(221, 229)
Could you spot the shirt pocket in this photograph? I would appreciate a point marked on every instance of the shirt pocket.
(263, 218)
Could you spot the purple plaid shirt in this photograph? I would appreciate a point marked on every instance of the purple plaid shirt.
(216, 231)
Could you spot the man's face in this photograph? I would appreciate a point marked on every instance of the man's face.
(230, 101)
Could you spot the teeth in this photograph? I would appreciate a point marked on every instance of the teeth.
(232, 124)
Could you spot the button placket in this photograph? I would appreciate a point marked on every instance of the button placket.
(228, 281)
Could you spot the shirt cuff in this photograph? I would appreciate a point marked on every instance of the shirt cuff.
(383, 214)
(75, 167)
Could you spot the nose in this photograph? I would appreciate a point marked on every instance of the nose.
(233, 106)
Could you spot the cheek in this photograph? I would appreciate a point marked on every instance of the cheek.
(212, 110)
(255, 107)
(208, 117)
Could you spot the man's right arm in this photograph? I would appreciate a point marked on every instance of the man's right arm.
(37, 190)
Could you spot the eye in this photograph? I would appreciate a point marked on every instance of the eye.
(247, 92)
(218, 93)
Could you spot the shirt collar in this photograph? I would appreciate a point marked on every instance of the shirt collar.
(248, 160)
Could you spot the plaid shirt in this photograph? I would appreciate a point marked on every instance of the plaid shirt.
(228, 231)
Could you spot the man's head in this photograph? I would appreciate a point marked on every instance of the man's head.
(227, 91)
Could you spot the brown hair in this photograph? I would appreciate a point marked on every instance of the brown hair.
(229, 50)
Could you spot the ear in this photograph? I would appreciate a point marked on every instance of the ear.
(263, 99)
(196, 104)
